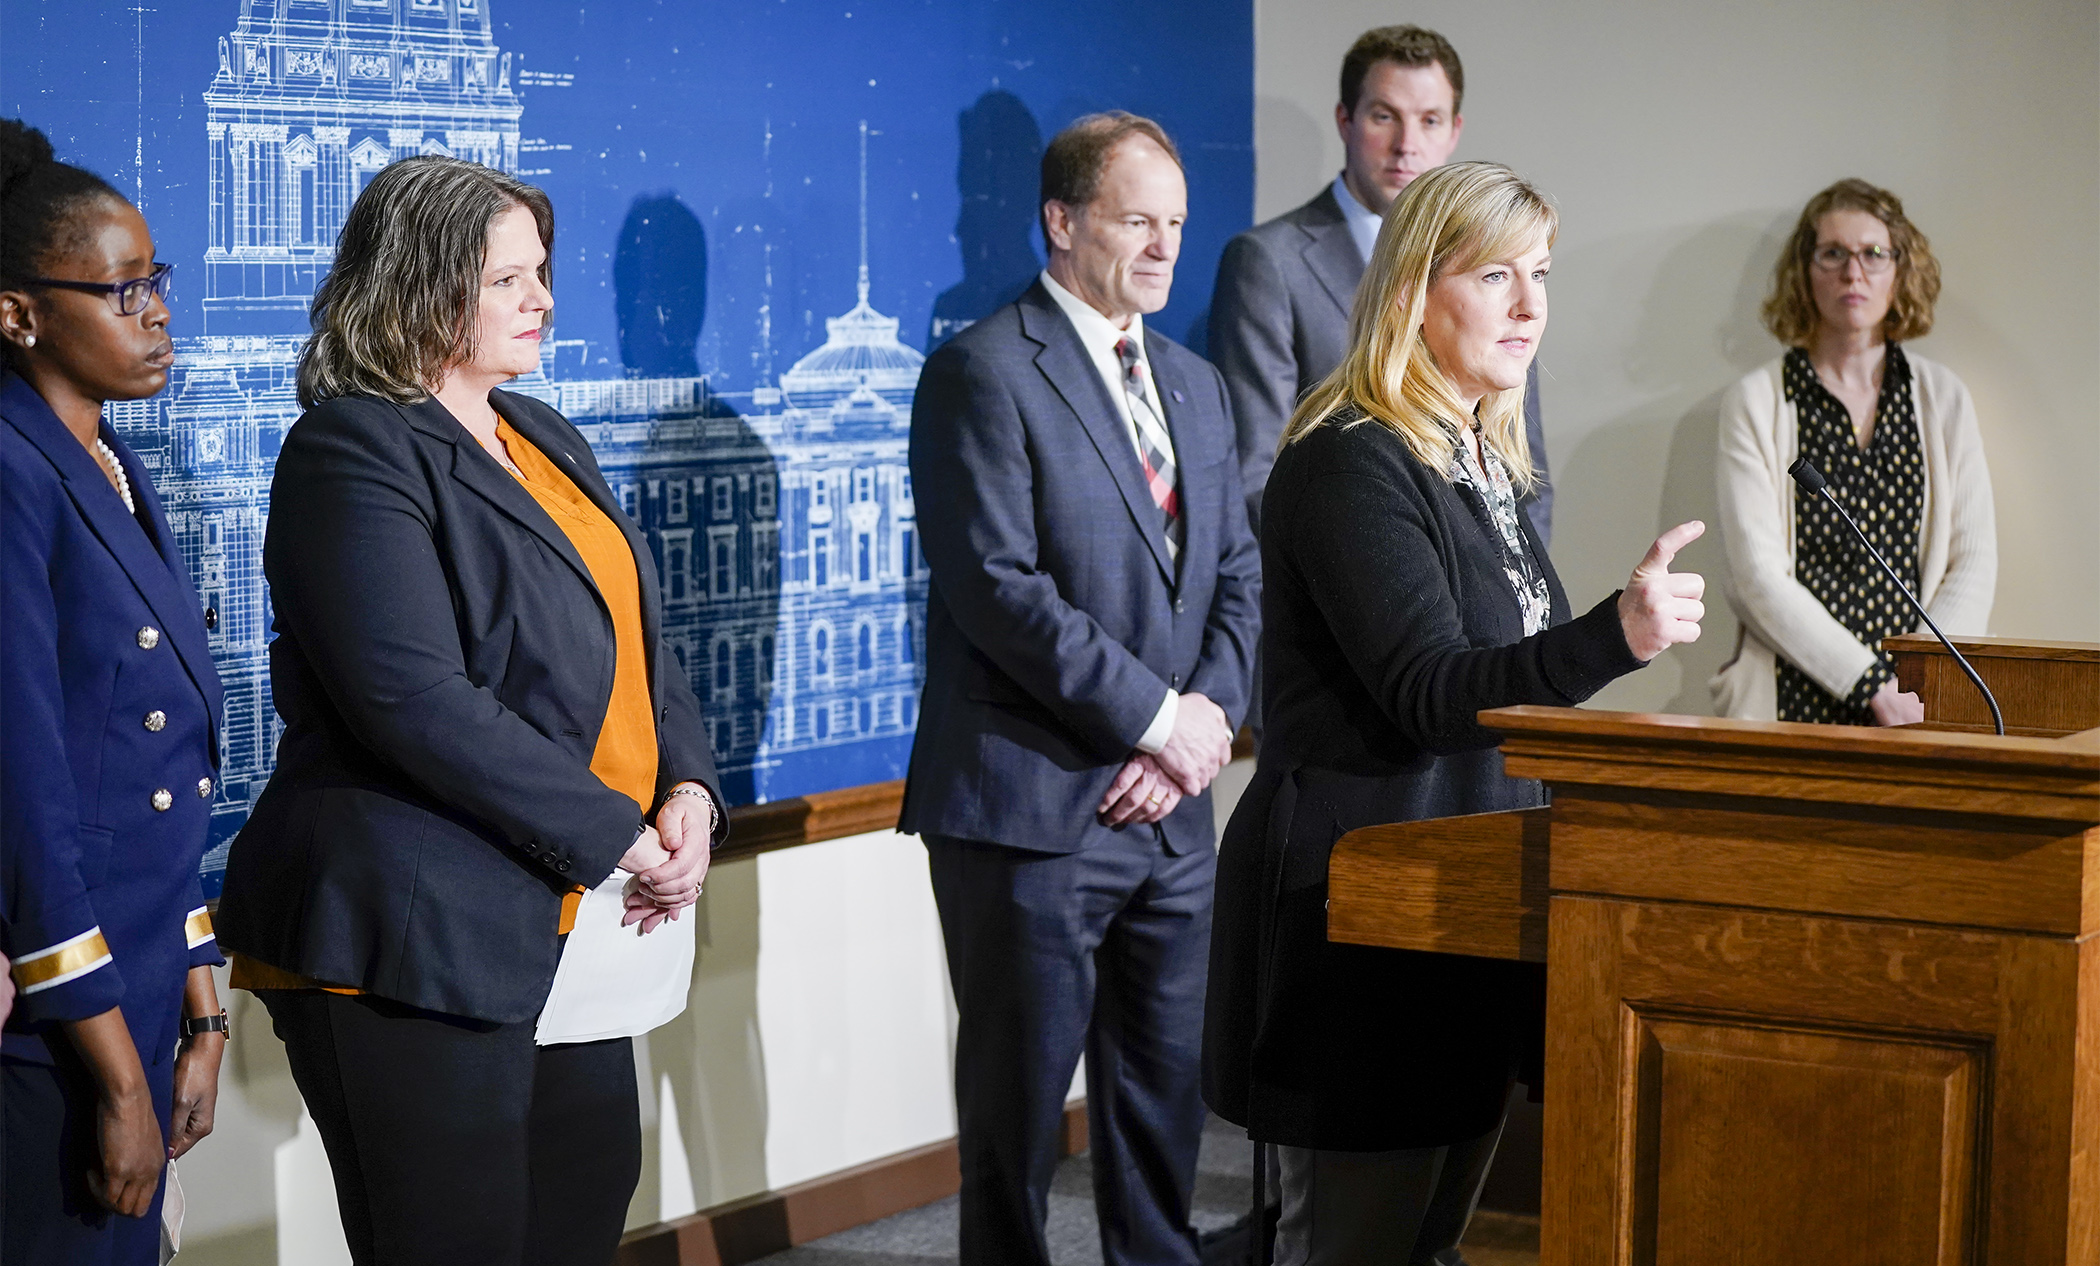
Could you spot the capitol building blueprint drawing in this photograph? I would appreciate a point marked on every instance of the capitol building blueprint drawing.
(781, 517)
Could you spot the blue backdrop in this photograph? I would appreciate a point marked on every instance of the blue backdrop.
(766, 214)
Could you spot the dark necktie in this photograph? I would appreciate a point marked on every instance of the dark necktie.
(1155, 446)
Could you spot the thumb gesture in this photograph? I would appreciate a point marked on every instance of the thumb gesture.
(1660, 608)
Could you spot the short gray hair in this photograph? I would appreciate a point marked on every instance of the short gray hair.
(399, 307)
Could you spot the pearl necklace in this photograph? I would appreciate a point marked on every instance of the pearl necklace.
(109, 457)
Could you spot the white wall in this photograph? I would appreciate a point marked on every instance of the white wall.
(1680, 141)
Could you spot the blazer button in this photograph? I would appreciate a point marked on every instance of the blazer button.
(163, 800)
(1180, 605)
(1176, 683)
(211, 618)
(155, 721)
(563, 867)
(149, 637)
(204, 788)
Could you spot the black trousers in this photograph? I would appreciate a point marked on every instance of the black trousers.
(1106, 949)
(456, 1140)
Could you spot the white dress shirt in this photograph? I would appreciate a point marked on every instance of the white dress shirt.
(1099, 336)
(1363, 222)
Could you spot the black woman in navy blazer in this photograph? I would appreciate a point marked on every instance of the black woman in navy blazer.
(109, 711)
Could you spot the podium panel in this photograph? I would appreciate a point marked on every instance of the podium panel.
(1814, 993)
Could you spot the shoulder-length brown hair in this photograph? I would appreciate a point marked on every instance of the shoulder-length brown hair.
(1790, 310)
(1451, 219)
(399, 307)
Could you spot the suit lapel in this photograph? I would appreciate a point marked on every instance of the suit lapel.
(1064, 361)
(1330, 252)
(472, 466)
(191, 640)
(559, 449)
(159, 575)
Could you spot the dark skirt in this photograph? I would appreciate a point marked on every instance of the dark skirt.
(1353, 1048)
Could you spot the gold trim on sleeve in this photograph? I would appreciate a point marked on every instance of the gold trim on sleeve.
(67, 960)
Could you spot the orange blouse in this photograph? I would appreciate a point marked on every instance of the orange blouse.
(625, 758)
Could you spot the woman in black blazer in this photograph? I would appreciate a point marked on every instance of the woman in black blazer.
(479, 717)
(1402, 593)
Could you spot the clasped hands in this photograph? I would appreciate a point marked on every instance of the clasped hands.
(669, 859)
(1149, 787)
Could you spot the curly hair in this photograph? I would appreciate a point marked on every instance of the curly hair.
(397, 309)
(1790, 309)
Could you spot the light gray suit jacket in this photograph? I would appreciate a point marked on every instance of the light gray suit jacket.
(1279, 323)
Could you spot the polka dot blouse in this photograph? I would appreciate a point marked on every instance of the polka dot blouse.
(1883, 488)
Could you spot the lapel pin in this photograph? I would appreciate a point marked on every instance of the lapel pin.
(1177, 395)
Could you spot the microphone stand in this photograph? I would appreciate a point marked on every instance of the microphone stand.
(1805, 474)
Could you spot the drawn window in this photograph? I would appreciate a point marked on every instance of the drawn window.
(676, 567)
(863, 485)
(722, 677)
(907, 557)
(904, 642)
(765, 558)
(725, 569)
(765, 658)
(762, 497)
(866, 557)
(866, 661)
(820, 552)
(820, 652)
(721, 494)
(631, 502)
(820, 492)
(675, 493)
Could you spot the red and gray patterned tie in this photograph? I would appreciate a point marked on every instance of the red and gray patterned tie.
(1155, 445)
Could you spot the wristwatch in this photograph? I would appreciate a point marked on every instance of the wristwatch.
(193, 1025)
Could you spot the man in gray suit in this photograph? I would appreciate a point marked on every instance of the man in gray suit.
(1279, 321)
(1089, 638)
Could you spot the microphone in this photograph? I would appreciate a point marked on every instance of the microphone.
(1812, 481)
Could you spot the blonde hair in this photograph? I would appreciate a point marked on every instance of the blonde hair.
(1790, 310)
(1448, 220)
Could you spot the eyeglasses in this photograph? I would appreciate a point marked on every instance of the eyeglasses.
(131, 297)
(1872, 259)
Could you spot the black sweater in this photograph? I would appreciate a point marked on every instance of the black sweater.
(1388, 625)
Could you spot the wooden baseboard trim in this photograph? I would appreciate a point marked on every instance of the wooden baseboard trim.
(770, 1222)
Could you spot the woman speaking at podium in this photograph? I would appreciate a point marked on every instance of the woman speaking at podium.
(479, 716)
(1403, 593)
(1894, 433)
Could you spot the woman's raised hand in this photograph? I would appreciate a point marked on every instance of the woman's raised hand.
(1660, 608)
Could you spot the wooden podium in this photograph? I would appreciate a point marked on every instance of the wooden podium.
(1815, 994)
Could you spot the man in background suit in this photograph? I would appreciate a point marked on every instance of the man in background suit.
(1279, 322)
(1090, 634)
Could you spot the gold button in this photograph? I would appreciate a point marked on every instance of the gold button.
(149, 637)
(163, 800)
(204, 788)
(156, 720)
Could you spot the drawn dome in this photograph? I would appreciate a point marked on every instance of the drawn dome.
(862, 351)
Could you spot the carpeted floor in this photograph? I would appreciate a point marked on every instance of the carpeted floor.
(926, 1236)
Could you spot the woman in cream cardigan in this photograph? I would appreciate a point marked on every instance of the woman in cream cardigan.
(1896, 436)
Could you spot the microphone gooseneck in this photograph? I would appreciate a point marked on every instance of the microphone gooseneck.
(1811, 480)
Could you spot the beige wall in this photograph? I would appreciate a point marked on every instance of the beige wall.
(1680, 141)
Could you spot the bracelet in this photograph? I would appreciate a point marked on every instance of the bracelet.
(714, 811)
(193, 1025)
